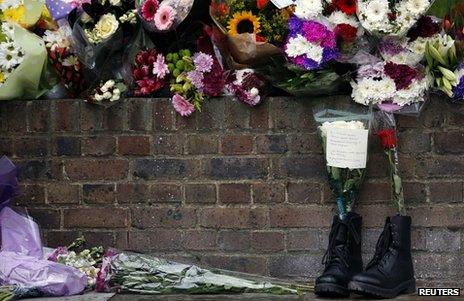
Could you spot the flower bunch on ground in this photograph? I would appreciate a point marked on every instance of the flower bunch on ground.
(247, 86)
(11, 53)
(108, 91)
(149, 71)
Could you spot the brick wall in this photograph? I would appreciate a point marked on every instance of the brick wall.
(232, 187)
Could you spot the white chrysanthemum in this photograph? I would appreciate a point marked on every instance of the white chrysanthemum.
(417, 7)
(308, 9)
(370, 91)
(6, 4)
(377, 10)
(414, 93)
(297, 46)
(341, 124)
(338, 17)
(315, 52)
(11, 55)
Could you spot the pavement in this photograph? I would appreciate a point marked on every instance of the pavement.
(239, 297)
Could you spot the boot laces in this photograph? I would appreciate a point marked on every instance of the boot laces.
(382, 247)
(339, 253)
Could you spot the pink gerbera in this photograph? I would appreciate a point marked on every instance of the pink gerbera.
(182, 106)
(164, 17)
(149, 9)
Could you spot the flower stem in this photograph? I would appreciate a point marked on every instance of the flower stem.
(396, 182)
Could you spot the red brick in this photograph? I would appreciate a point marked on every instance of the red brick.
(38, 116)
(374, 215)
(155, 240)
(46, 218)
(139, 114)
(134, 145)
(272, 144)
(268, 193)
(168, 145)
(235, 240)
(304, 193)
(438, 216)
(86, 169)
(236, 145)
(90, 118)
(67, 146)
(30, 195)
(212, 116)
(98, 146)
(373, 192)
(439, 167)
(114, 117)
(267, 241)
(414, 192)
(303, 240)
(62, 193)
(304, 143)
(66, 116)
(240, 263)
(234, 193)
(449, 142)
(233, 218)
(163, 115)
(259, 118)
(166, 217)
(202, 144)
(300, 167)
(200, 240)
(6, 146)
(182, 123)
(132, 193)
(11, 111)
(200, 193)
(414, 142)
(58, 238)
(31, 147)
(166, 193)
(99, 193)
(96, 218)
(449, 192)
(298, 217)
(237, 116)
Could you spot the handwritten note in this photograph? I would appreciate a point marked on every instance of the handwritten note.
(347, 148)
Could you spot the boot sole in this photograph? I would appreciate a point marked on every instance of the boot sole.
(331, 290)
(369, 290)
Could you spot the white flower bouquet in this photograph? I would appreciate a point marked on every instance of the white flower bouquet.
(23, 60)
(391, 17)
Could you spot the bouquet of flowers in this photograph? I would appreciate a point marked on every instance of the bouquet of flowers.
(102, 29)
(65, 62)
(22, 12)
(386, 133)
(410, 50)
(162, 16)
(247, 86)
(143, 274)
(194, 77)
(23, 61)
(149, 72)
(390, 86)
(253, 28)
(391, 17)
(344, 136)
(107, 92)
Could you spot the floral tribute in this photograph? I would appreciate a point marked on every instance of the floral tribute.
(391, 17)
(107, 92)
(11, 53)
(390, 83)
(149, 71)
(247, 86)
(310, 44)
(163, 16)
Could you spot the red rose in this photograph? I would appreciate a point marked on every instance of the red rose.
(346, 32)
(346, 6)
(388, 138)
(261, 3)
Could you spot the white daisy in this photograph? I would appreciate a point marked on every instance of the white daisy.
(417, 7)
(308, 9)
(8, 59)
(8, 30)
(377, 11)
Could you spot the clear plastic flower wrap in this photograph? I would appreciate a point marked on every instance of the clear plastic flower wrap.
(247, 86)
(163, 15)
(344, 132)
(391, 17)
(253, 30)
(126, 272)
(23, 62)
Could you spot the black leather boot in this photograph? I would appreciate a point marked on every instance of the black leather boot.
(390, 272)
(342, 259)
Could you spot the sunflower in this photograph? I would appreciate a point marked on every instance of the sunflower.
(244, 22)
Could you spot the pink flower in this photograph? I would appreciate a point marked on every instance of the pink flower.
(182, 106)
(78, 3)
(164, 17)
(203, 62)
(149, 9)
(160, 69)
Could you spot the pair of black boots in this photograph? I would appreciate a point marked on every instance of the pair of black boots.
(387, 275)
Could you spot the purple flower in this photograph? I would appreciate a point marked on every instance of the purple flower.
(314, 31)
(203, 62)
(196, 77)
(390, 47)
(160, 69)
(329, 54)
(294, 25)
(371, 71)
(458, 91)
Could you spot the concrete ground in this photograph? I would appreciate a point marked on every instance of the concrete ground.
(247, 297)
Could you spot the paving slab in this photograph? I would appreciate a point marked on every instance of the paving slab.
(85, 297)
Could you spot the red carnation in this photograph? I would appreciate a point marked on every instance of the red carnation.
(402, 75)
(388, 138)
(346, 32)
(346, 6)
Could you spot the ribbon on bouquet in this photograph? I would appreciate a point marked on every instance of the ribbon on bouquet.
(8, 181)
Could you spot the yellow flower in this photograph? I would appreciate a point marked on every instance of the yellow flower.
(2, 78)
(243, 22)
(15, 15)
